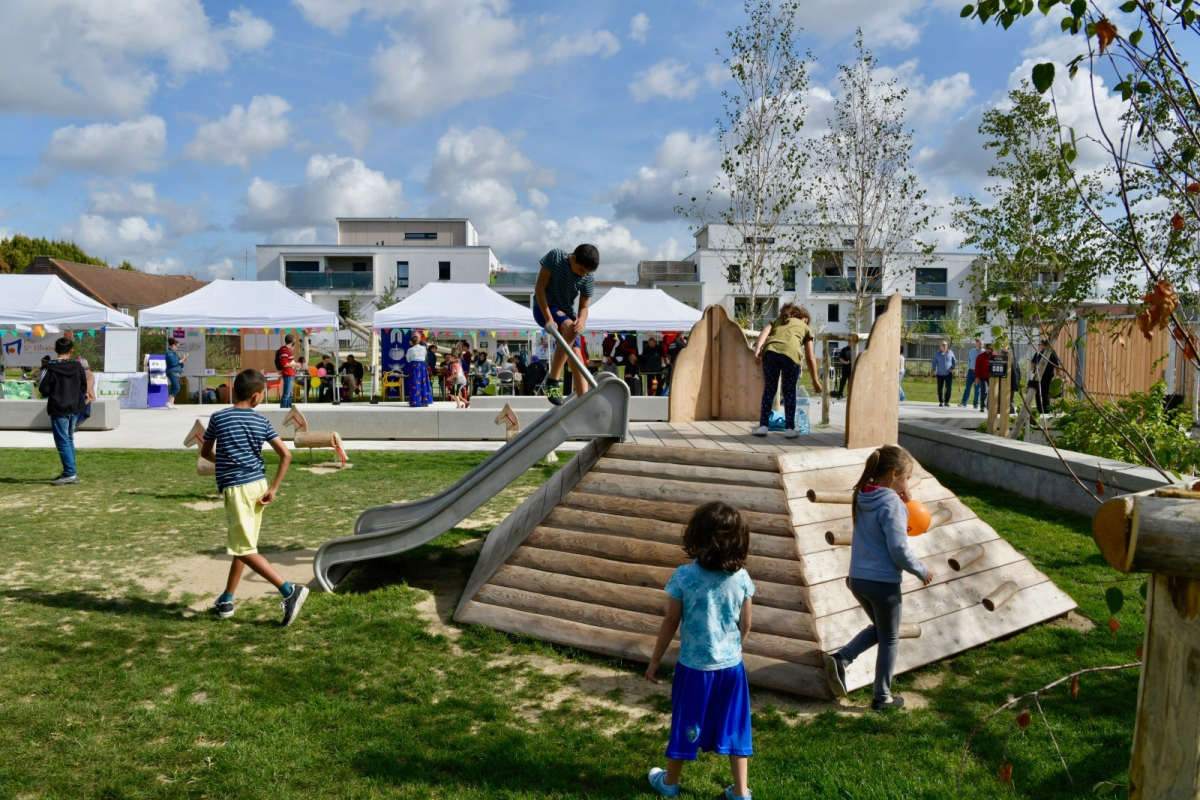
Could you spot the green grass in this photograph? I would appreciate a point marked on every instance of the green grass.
(113, 691)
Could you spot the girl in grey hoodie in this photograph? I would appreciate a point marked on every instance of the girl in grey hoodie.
(879, 555)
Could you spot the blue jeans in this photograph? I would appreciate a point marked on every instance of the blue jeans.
(882, 603)
(285, 391)
(902, 398)
(63, 427)
(172, 386)
(967, 392)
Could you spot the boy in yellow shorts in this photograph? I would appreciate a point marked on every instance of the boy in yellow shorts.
(237, 435)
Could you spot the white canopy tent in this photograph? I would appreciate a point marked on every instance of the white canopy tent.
(640, 310)
(238, 305)
(455, 307)
(45, 300)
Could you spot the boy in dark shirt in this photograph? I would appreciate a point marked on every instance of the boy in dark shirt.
(563, 278)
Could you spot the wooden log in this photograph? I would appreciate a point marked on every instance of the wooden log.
(841, 538)
(776, 524)
(843, 496)
(939, 517)
(686, 472)
(690, 456)
(631, 598)
(769, 501)
(826, 458)
(1000, 595)
(1150, 534)
(1177, 494)
(965, 557)
(768, 673)
(658, 531)
(910, 630)
(314, 439)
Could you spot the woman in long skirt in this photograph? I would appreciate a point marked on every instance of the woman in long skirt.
(416, 375)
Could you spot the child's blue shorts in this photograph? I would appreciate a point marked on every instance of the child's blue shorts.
(560, 317)
(710, 710)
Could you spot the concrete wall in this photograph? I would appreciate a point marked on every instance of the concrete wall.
(30, 415)
(641, 409)
(1030, 470)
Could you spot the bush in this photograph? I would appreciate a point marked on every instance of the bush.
(1167, 433)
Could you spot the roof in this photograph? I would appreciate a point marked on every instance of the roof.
(116, 288)
(401, 219)
(28, 300)
(239, 304)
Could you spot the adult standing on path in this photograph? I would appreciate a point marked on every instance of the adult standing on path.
(944, 364)
(64, 385)
(1044, 353)
(285, 360)
(973, 377)
(845, 358)
(174, 370)
(983, 370)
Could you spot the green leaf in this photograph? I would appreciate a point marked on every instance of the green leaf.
(1029, 310)
(966, 11)
(1067, 23)
(1115, 599)
(1078, 8)
(1042, 174)
(1043, 76)
(1188, 154)
(1056, 386)
(1129, 7)
(1135, 37)
(1071, 72)
(1145, 87)
(1143, 589)
(1045, 5)
(1003, 303)
(997, 331)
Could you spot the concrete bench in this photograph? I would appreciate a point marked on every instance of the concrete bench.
(641, 409)
(30, 415)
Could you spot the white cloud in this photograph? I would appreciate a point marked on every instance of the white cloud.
(587, 43)
(638, 27)
(222, 270)
(670, 78)
(715, 74)
(684, 166)
(882, 23)
(244, 134)
(461, 156)
(928, 103)
(119, 200)
(350, 125)
(116, 240)
(333, 187)
(117, 149)
(91, 57)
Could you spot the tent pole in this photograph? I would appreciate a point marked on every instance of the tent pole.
(337, 377)
(376, 361)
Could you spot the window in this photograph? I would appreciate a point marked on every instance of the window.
(925, 312)
(401, 274)
(410, 236)
(827, 263)
(759, 240)
(847, 243)
(733, 273)
(835, 313)
(443, 270)
(789, 277)
(303, 266)
(879, 309)
(931, 275)
(359, 266)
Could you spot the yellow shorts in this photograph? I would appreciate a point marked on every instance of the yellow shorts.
(244, 515)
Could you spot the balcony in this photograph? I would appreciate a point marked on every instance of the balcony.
(514, 278)
(348, 281)
(836, 285)
(931, 290)
(928, 327)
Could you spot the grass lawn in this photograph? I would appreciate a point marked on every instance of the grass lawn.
(112, 690)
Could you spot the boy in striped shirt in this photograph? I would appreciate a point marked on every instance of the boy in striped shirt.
(237, 435)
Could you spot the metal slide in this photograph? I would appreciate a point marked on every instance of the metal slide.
(385, 530)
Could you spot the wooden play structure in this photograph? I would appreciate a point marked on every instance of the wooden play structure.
(1160, 535)
(195, 438)
(582, 562)
(508, 418)
(303, 438)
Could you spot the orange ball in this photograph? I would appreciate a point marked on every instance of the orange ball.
(918, 517)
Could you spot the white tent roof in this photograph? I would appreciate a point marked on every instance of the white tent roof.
(239, 304)
(28, 300)
(640, 310)
(456, 307)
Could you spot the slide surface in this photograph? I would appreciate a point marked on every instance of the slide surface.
(386, 530)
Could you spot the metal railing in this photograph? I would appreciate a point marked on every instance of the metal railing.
(931, 290)
(513, 278)
(356, 281)
(838, 285)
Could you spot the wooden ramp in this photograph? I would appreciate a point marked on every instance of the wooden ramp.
(583, 562)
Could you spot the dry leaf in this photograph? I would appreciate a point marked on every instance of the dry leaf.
(1005, 773)
(1075, 688)
(1178, 222)
(1113, 625)
(1023, 720)
(1099, 487)
(1161, 302)
(1139, 652)
(1193, 188)
(1105, 33)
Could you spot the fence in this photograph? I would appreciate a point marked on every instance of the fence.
(1117, 359)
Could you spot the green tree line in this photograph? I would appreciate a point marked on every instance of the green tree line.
(18, 251)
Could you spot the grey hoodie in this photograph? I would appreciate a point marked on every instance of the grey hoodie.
(879, 548)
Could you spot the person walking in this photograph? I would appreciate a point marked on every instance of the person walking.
(285, 362)
(973, 377)
(983, 372)
(1042, 384)
(845, 358)
(779, 348)
(174, 370)
(943, 366)
(64, 385)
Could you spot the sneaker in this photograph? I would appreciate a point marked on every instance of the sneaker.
(761, 430)
(835, 671)
(292, 604)
(729, 795)
(223, 610)
(554, 392)
(895, 701)
(791, 433)
(65, 480)
(658, 779)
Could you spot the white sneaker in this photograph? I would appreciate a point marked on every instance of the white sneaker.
(761, 430)
(170, 405)
(791, 433)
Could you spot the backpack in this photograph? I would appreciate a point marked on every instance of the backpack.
(278, 359)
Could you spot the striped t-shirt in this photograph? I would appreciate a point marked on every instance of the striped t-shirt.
(239, 434)
(564, 284)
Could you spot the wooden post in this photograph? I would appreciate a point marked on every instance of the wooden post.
(1004, 402)
(714, 350)
(826, 364)
(993, 401)
(1161, 535)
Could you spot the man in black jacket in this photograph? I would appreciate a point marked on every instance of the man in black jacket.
(64, 385)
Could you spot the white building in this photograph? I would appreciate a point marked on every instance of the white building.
(934, 289)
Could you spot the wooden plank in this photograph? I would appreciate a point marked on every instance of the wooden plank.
(740, 431)
(690, 398)
(637, 551)
(770, 501)
(774, 595)
(822, 458)
(873, 408)
(721, 437)
(649, 437)
(690, 456)
(774, 524)
(803, 513)
(810, 538)
(680, 472)
(668, 436)
(657, 531)
(970, 627)
(797, 484)
(835, 563)
(506, 537)
(834, 596)
(925, 604)
(768, 673)
(694, 437)
(798, 651)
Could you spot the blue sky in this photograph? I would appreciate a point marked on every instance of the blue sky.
(177, 134)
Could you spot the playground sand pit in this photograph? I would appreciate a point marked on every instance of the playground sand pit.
(205, 575)
(205, 505)
(326, 468)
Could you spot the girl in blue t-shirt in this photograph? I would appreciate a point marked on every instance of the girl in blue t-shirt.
(710, 696)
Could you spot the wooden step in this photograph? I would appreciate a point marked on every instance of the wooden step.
(769, 673)
(681, 513)
(690, 456)
(797, 484)
(770, 501)
(680, 472)
(657, 531)
(831, 458)
(639, 551)
(768, 594)
(608, 616)
(810, 538)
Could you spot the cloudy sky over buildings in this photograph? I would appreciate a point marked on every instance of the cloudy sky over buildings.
(178, 134)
